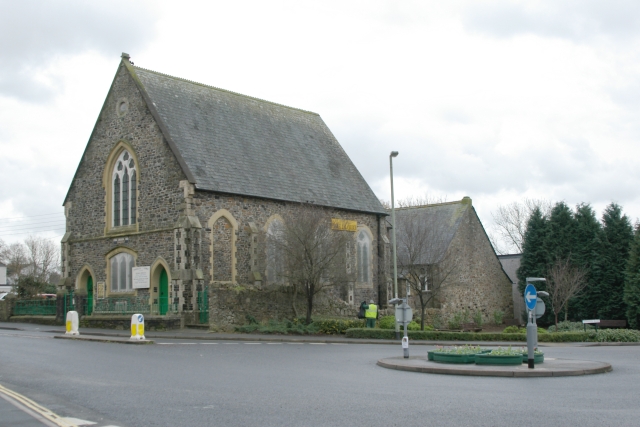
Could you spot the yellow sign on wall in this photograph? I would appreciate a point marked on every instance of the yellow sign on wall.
(343, 225)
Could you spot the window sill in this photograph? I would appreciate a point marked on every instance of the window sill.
(122, 230)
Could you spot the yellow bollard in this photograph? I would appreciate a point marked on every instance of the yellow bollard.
(72, 323)
(137, 327)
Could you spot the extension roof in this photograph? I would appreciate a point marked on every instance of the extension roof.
(231, 143)
(441, 219)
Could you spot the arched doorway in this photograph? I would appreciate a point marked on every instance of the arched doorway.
(163, 292)
(89, 295)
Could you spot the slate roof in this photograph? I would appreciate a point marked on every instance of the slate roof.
(442, 220)
(232, 143)
(510, 265)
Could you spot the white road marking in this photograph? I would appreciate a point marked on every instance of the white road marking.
(78, 421)
(318, 343)
(253, 343)
(274, 343)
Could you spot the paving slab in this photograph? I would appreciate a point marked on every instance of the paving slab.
(96, 338)
(550, 368)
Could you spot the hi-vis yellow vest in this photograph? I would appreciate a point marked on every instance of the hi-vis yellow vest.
(372, 312)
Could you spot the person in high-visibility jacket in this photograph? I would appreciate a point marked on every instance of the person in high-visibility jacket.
(371, 314)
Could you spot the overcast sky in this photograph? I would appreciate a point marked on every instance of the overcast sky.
(497, 101)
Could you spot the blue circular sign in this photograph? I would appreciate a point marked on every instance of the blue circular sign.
(140, 318)
(530, 296)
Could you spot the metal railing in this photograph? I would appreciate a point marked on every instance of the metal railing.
(35, 307)
(133, 305)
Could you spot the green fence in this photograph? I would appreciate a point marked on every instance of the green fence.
(133, 305)
(35, 307)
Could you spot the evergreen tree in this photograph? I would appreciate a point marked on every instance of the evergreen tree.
(561, 235)
(617, 237)
(632, 282)
(587, 248)
(534, 252)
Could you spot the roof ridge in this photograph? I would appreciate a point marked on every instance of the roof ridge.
(429, 205)
(225, 90)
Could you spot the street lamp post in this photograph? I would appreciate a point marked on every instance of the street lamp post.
(393, 237)
(532, 327)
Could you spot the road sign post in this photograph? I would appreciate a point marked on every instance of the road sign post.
(531, 300)
(404, 314)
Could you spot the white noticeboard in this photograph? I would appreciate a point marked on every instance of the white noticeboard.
(140, 277)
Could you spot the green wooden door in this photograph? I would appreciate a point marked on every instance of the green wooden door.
(90, 295)
(163, 293)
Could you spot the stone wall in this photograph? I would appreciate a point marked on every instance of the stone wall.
(478, 283)
(231, 307)
(6, 305)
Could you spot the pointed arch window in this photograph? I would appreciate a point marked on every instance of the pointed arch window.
(124, 190)
(275, 261)
(363, 257)
(121, 268)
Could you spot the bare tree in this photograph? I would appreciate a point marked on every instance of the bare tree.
(511, 223)
(43, 258)
(424, 258)
(564, 282)
(313, 253)
(17, 260)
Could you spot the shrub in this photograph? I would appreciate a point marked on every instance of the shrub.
(567, 326)
(497, 317)
(615, 335)
(413, 326)
(511, 330)
(477, 318)
(455, 321)
(336, 326)
(542, 331)
(387, 322)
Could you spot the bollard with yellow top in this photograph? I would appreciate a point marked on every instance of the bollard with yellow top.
(137, 327)
(72, 323)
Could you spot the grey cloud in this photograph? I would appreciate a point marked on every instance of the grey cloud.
(577, 20)
(33, 33)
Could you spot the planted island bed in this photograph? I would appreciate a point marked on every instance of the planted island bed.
(482, 356)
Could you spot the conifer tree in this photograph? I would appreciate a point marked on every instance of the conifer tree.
(617, 237)
(535, 257)
(587, 248)
(632, 282)
(560, 239)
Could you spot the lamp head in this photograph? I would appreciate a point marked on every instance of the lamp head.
(394, 154)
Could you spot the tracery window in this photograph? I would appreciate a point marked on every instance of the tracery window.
(124, 190)
(121, 267)
(363, 256)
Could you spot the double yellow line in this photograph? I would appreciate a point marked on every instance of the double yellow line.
(32, 406)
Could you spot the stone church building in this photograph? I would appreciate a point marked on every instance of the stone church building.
(179, 191)
(471, 279)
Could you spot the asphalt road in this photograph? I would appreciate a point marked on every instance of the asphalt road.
(204, 383)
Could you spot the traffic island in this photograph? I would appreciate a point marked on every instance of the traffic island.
(550, 368)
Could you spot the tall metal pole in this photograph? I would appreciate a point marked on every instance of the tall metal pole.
(393, 236)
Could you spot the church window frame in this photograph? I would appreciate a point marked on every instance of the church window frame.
(120, 271)
(124, 188)
(114, 174)
(364, 257)
(274, 251)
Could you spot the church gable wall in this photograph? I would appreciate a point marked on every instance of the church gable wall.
(125, 117)
(479, 283)
(160, 198)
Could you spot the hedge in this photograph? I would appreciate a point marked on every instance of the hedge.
(619, 335)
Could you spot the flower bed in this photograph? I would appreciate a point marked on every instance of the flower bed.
(463, 354)
(500, 356)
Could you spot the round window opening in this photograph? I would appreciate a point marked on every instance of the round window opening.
(123, 107)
